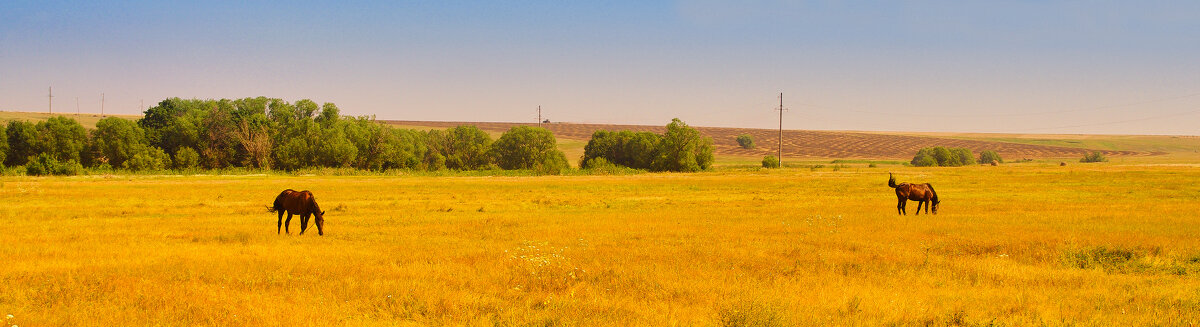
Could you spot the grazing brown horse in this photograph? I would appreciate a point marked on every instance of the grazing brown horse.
(922, 193)
(298, 203)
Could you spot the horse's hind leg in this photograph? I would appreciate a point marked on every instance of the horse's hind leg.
(279, 224)
(900, 207)
(288, 224)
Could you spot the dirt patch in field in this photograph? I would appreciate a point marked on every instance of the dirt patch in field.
(800, 143)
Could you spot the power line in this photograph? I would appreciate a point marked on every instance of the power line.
(1019, 114)
(1116, 122)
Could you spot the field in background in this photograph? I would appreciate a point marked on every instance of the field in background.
(816, 145)
(86, 119)
(1099, 244)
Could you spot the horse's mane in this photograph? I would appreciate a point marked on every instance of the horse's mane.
(935, 199)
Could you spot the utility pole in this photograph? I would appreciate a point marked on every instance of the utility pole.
(539, 115)
(101, 104)
(50, 98)
(781, 110)
(143, 104)
(76, 106)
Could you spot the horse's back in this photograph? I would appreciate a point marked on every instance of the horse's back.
(298, 202)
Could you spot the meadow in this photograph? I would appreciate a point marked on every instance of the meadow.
(1018, 244)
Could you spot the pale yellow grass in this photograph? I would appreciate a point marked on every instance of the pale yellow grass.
(732, 248)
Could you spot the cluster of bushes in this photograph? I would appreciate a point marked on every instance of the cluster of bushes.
(952, 157)
(943, 157)
(1095, 156)
(681, 148)
(265, 133)
(746, 141)
(987, 157)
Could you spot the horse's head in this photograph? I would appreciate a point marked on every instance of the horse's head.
(935, 206)
(320, 223)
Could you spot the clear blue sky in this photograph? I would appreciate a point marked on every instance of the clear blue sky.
(975, 66)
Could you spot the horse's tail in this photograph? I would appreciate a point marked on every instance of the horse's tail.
(935, 199)
(891, 180)
(278, 205)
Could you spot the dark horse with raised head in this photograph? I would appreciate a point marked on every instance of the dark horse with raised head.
(922, 193)
(298, 203)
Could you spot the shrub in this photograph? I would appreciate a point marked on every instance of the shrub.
(625, 148)
(1095, 156)
(962, 156)
(942, 156)
(335, 150)
(524, 147)
(61, 137)
(924, 160)
(21, 140)
(46, 164)
(147, 158)
(463, 147)
(114, 140)
(186, 158)
(683, 149)
(770, 162)
(986, 157)
(745, 141)
(3, 146)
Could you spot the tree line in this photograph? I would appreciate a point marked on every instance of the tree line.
(269, 133)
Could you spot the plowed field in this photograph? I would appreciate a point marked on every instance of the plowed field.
(809, 144)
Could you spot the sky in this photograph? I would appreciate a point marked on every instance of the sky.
(1020, 66)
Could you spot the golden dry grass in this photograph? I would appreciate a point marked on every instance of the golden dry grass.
(1013, 245)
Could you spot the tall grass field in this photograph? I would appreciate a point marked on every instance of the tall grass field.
(1015, 245)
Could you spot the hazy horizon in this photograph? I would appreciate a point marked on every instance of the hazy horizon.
(1013, 67)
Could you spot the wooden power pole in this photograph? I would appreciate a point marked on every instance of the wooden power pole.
(50, 98)
(101, 104)
(539, 115)
(781, 110)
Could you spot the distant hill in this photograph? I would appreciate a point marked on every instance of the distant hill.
(815, 144)
(809, 144)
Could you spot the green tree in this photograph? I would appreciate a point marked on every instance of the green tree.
(329, 115)
(1095, 156)
(962, 156)
(683, 149)
(22, 142)
(770, 162)
(463, 147)
(402, 149)
(745, 141)
(218, 145)
(988, 156)
(924, 158)
(3, 145)
(61, 137)
(524, 147)
(47, 164)
(114, 140)
(335, 150)
(147, 157)
(186, 158)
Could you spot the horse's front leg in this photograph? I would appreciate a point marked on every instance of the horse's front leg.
(303, 223)
(919, 203)
(288, 224)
